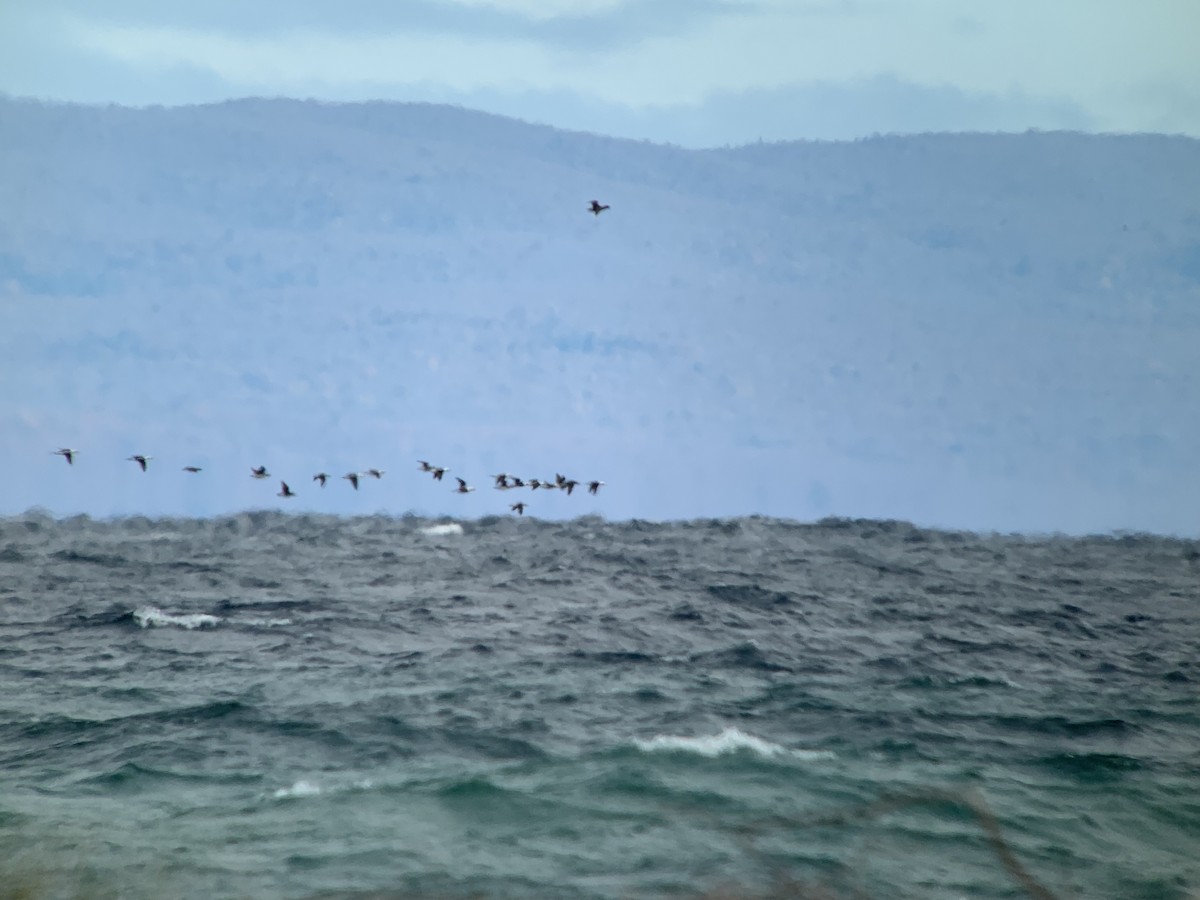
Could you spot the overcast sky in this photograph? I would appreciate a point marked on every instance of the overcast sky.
(695, 72)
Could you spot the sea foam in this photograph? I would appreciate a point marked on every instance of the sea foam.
(153, 617)
(731, 740)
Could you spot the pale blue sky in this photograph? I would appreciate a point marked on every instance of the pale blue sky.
(690, 71)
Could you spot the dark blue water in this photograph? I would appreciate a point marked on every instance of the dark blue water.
(268, 705)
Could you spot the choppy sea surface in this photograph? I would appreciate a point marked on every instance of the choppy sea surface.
(270, 705)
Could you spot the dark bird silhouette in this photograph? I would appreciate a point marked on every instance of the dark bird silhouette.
(192, 469)
(597, 207)
(518, 508)
(375, 473)
(502, 481)
(463, 487)
(287, 491)
(259, 472)
(438, 472)
(569, 485)
(352, 477)
(140, 460)
(534, 484)
(320, 476)
(68, 454)
(515, 482)
(594, 486)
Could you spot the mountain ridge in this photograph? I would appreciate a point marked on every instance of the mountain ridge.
(977, 330)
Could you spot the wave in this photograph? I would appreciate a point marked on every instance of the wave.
(153, 617)
(731, 740)
(445, 528)
(301, 788)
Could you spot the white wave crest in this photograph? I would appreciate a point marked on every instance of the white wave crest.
(445, 528)
(268, 623)
(731, 740)
(153, 617)
(301, 788)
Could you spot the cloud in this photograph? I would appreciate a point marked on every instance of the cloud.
(579, 26)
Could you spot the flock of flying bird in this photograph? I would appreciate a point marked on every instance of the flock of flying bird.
(504, 481)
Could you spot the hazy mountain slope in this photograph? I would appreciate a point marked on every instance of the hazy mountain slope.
(989, 330)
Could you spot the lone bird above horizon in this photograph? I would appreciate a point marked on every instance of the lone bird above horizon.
(463, 487)
(321, 476)
(518, 508)
(192, 469)
(286, 492)
(259, 472)
(597, 207)
(140, 460)
(352, 477)
(68, 454)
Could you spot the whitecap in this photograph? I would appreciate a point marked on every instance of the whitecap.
(731, 740)
(301, 788)
(267, 623)
(153, 617)
(443, 529)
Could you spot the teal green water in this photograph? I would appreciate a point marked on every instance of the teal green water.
(274, 706)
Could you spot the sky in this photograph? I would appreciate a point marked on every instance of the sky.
(691, 72)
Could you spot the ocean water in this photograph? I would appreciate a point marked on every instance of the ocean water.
(270, 705)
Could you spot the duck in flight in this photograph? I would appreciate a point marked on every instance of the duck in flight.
(321, 476)
(518, 508)
(352, 477)
(287, 491)
(259, 472)
(436, 471)
(463, 487)
(192, 469)
(569, 485)
(374, 473)
(597, 207)
(68, 454)
(140, 460)
(594, 486)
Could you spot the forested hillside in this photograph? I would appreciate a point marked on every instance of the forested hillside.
(980, 330)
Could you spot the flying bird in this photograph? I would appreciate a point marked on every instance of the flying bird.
(287, 491)
(192, 469)
(502, 482)
(321, 476)
(594, 486)
(518, 508)
(259, 472)
(569, 485)
(597, 207)
(68, 454)
(463, 487)
(374, 473)
(516, 482)
(140, 460)
(438, 472)
(352, 477)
